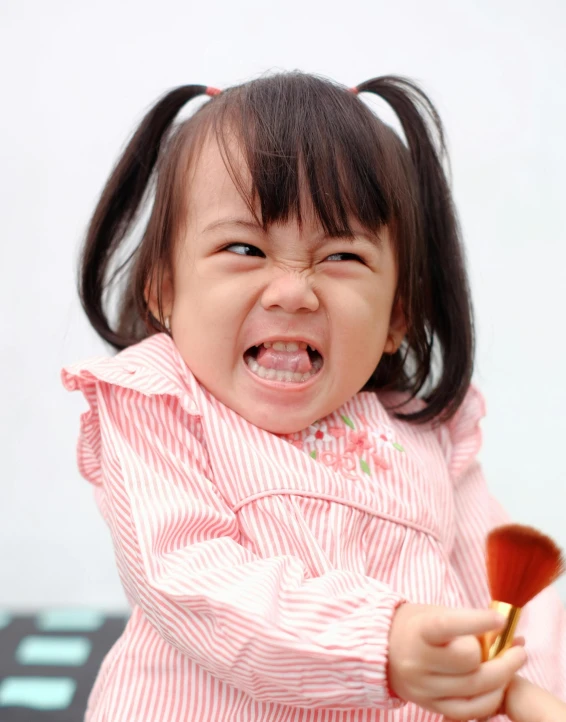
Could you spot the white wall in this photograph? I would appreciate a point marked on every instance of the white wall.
(78, 76)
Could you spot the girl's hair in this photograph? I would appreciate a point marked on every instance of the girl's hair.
(298, 132)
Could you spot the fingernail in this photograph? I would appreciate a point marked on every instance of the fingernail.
(521, 653)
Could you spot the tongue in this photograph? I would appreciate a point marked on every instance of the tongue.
(296, 361)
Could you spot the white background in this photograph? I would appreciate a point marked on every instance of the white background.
(77, 77)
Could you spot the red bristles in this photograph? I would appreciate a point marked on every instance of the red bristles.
(521, 562)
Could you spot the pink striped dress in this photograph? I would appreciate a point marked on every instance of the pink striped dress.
(264, 570)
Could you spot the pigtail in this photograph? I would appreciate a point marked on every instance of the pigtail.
(119, 203)
(441, 273)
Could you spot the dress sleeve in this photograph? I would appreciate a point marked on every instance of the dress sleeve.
(259, 624)
(543, 621)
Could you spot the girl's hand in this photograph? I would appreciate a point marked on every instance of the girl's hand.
(435, 661)
(525, 702)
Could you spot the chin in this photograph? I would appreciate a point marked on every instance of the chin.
(272, 422)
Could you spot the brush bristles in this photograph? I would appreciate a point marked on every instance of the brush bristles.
(521, 562)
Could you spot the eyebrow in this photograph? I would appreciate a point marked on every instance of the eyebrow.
(373, 239)
(248, 225)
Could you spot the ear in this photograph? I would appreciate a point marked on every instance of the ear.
(397, 329)
(160, 281)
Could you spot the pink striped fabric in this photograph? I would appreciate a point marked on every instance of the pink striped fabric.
(264, 571)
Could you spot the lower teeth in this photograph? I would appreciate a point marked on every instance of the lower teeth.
(275, 375)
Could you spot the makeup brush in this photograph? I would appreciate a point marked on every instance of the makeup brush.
(521, 562)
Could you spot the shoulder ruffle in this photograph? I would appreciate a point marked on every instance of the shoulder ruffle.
(152, 367)
(464, 433)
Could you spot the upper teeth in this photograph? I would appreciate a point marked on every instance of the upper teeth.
(282, 346)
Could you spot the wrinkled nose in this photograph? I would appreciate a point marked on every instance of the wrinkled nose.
(291, 292)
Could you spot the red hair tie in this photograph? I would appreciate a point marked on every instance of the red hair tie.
(212, 92)
(353, 90)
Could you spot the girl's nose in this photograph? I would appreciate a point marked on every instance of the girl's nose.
(290, 292)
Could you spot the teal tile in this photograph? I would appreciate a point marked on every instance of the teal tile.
(55, 651)
(5, 619)
(69, 620)
(42, 693)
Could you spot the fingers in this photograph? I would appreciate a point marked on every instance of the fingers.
(465, 709)
(460, 656)
(491, 676)
(436, 661)
(439, 629)
(482, 694)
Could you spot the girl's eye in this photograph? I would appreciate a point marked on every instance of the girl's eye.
(344, 257)
(244, 249)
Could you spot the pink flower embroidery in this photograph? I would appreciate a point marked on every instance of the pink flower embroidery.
(355, 454)
(380, 462)
(358, 442)
(350, 466)
(329, 458)
(344, 464)
(295, 440)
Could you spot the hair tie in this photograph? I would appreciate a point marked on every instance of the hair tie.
(354, 90)
(212, 92)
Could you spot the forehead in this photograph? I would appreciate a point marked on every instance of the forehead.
(218, 182)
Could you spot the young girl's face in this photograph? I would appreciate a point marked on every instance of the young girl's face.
(282, 326)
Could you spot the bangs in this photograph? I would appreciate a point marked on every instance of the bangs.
(308, 142)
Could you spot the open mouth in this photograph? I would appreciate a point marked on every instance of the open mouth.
(284, 361)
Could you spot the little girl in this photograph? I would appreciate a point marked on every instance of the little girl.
(285, 448)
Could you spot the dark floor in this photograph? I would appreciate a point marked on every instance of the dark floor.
(48, 662)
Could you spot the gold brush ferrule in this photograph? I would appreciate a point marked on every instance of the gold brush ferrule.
(495, 643)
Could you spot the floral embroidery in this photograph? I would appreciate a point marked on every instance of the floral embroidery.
(318, 435)
(365, 467)
(345, 464)
(295, 440)
(386, 437)
(348, 421)
(380, 462)
(358, 442)
(362, 448)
